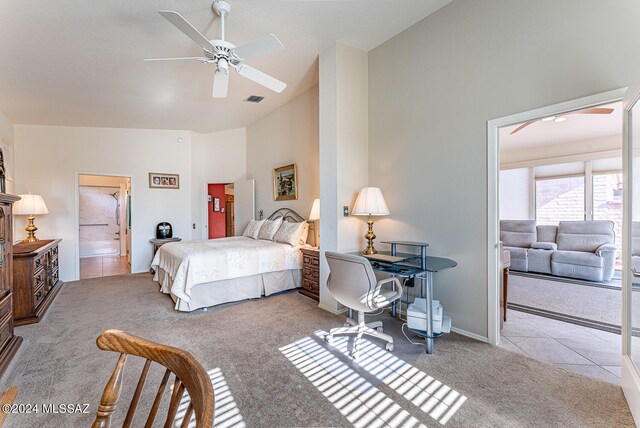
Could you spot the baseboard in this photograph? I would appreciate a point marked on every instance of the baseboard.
(341, 311)
(469, 334)
(631, 387)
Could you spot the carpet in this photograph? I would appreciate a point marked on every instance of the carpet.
(271, 368)
(587, 305)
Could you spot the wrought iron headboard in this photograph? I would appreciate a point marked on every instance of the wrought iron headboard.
(287, 214)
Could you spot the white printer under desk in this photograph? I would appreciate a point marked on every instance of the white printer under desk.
(417, 317)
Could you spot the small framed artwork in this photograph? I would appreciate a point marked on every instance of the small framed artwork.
(159, 180)
(216, 204)
(285, 183)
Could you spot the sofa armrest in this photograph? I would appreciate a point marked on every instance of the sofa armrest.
(605, 248)
(544, 246)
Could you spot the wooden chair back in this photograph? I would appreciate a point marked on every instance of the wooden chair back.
(188, 372)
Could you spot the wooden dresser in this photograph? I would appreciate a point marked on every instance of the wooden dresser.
(36, 279)
(9, 343)
(311, 273)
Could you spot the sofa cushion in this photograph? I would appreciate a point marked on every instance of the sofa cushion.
(544, 246)
(517, 252)
(539, 261)
(546, 233)
(577, 258)
(518, 233)
(584, 236)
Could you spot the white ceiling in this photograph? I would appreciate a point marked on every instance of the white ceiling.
(79, 63)
(577, 127)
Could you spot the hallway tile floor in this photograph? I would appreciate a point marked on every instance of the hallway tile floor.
(96, 267)
(580, 349)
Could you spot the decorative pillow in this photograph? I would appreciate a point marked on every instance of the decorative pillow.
(253, 228)
(269, 229)
(289, 233)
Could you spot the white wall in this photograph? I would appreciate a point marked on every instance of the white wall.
(6, 142)
(515, 194)
(344, 168)
(217, 157)
(288, 135)
(432, 89)
(48, 158)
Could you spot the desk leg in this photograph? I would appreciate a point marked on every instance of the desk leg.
(505, 293)
(429, 296)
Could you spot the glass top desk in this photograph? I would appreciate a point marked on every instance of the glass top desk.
(417, 266)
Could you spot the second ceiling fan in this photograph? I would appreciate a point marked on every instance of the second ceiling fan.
(226, 55)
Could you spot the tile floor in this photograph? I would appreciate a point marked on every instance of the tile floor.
(96, 267)
(580, 349)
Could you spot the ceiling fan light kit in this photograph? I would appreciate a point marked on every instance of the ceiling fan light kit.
(225, 54)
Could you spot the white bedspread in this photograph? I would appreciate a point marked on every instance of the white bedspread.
(196, 262)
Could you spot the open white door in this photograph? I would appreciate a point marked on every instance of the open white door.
(630, 379)
(244, 204)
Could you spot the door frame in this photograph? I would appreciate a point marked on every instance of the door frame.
(204, 234)
(493, 190)
(77, 213)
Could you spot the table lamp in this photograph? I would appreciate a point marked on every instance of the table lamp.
(314, 216)
(370, 202)
(30, 205)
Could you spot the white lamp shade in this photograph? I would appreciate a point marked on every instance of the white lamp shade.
(30, 205)
(315, 210)
(370, 202)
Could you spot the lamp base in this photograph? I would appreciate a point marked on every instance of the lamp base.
(31, 230)
(370, 236)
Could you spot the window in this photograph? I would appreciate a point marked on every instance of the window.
(560, 199)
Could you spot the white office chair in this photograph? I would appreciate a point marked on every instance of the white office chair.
(353, 283)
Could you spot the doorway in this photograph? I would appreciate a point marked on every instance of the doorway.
(589, 186)
(220, 210)
(104, 227)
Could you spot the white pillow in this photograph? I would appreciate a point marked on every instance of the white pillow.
(289, 233)
(252, 229)
(269, 229)
(304, 233)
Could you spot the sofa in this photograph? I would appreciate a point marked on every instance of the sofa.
(573, 249)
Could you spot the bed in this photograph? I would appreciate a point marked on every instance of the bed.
(199, 274)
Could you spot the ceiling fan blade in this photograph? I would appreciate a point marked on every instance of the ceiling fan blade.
(188, 58)
(220, 84)
(181, 24)
(261, 78)
(264, 45)
(521, 127)
(593, 110)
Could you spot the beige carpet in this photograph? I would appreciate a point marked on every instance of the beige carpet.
(273, 370)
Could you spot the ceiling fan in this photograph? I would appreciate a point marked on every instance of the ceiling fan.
(224, 54)
(563, 117)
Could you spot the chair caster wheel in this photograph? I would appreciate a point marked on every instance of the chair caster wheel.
(379, 329)
(389, 347)
(355, 355)
(328, 338)
(346, 324)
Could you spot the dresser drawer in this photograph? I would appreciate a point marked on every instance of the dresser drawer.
(5, 306)
(38, 296)
(38, 278)
(310, 273)
(54, 251)
(39, 262)
(310, 285)
(6, 330)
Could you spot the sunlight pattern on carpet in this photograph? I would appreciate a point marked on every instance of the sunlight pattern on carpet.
(226, 413)
(360, 401)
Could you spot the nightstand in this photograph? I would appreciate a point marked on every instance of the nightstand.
(311, 273)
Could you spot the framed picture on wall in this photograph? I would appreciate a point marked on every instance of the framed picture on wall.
(216, 204)
(285, 183)
(158, 180)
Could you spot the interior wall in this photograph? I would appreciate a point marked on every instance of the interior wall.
(216, 157)
(514, 194)
(48, 159)
(217, 220)
(432, 89)
(288, 135)
(6, 143)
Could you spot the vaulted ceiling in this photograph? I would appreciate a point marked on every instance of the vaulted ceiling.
(80, 63)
